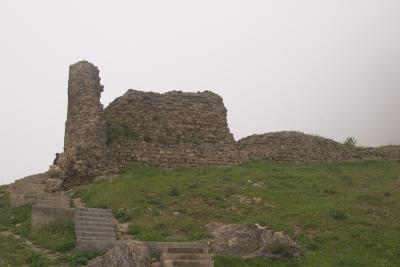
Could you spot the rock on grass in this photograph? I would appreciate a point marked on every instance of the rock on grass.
(251, 240)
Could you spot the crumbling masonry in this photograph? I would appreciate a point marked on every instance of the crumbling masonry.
(174, 129)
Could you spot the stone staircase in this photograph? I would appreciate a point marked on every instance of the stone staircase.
(52, 200)
(186, 257)
(25, 191)
(94, 229)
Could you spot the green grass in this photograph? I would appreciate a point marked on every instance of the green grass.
(14, 253)
(58, 236)
(341, 214)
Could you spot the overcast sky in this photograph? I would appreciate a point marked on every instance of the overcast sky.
(326, 67)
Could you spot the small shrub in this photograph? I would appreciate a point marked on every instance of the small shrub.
(347, 180)
(157, 201)
(147, 138)
(134, 229)
(279, 247)
(122, 215)
(174, 192)
(371, 200)
(117, 130)
(161, 227)
(3, 202)
(338, 215)
(330, 191)
(350, 141)
(82, 258)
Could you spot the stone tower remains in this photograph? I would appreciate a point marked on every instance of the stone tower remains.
(85, 148)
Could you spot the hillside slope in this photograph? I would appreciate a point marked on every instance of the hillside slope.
(342, 214)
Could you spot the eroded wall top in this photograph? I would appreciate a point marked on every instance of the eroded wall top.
(170, 118)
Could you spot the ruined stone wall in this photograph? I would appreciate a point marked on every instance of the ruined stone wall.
(388, 152)
(85, 130)
(300, 147)
(169, 130)
(174, 129)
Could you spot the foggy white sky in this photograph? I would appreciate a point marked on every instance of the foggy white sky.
(326, 67)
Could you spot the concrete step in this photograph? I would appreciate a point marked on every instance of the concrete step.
(185, 250)
(93, 219)
(49, 200)
(187, 263)
(94, 210)
(94, 229)
(53, 200)
(185, 257)
(63, 203)
(110, 228)
(53, 205)
(95, 234)
(56, 200)
(94, 214)
(95, 223)
(93, 239)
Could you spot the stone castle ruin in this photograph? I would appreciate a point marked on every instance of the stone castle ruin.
(174, 129)
(169, 130)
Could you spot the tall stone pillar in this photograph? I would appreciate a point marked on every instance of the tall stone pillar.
(85, 130)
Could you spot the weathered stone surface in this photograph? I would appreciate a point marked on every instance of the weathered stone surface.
(41, 216)
(94, 230)
(169, 130)
(129, 254)
(250, 240)
(55, 172)
(85, 134)
(26, 190)
(174, 129)
(53, 185)
(186, 257)
(300, 147)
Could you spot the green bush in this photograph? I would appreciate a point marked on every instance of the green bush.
(174, 192)
(122, 215)
(350, 141)
(147, 138)
(279, 247)
(338, 215)
(82, 258)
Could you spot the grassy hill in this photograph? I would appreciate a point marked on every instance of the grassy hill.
(341, 214)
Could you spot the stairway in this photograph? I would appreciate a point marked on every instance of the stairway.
(52, 200)
(25, 191)
(94, 230)
(186, 257)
